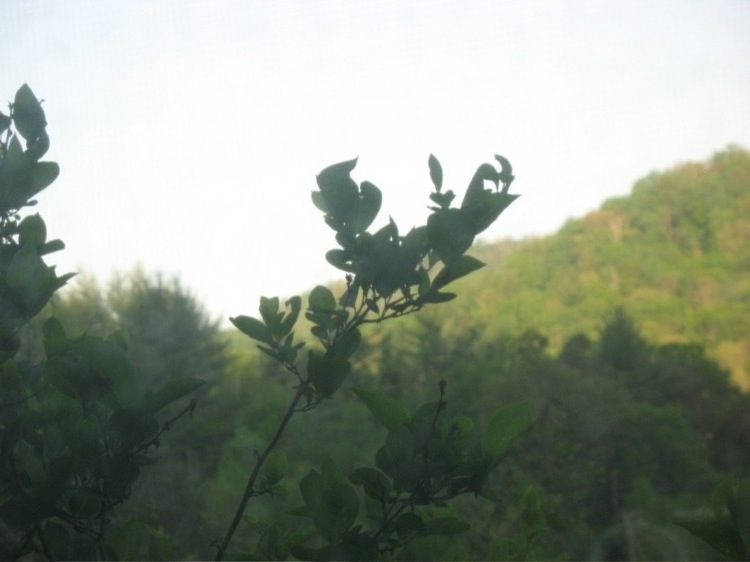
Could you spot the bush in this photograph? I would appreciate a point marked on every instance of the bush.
(78, 425)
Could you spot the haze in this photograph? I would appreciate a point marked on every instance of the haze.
(189, 132)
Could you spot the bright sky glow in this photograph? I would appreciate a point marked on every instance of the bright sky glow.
(189, 132)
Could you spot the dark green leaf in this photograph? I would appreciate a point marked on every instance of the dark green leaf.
(319, 332)
(26, 269)
(436, 172)
(400, 446)
(386, 410)
(346, 238)
(37, 148)
(462, 425)
(374, 482)
(473, 195)
(339, 259)
(368, 207)
(372, 305)
(319, 201)
(443, 200)
(55, 339)
(269, 311)
(42, 175)
(106, 359)
(461, 267)
(28, 114)
(484, 205)
(327, 372)
(253, 328)
(348, 342)
(332, 503)
(275, 467)
(294, 305)
(334, 174)
(14, 158)
(30, 464)
(32, 230)
(424, 282)
(52, 246)
(288, 352)
(340, 194)
(436, 298)
(506, 171)
(336, 512)
(450, 233)
(504, 427)
(268, 543)
(321, 298)
(533, 520)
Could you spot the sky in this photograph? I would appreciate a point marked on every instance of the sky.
(189, 132)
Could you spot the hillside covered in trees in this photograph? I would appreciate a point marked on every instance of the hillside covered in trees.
(675, 254)
(620, 330)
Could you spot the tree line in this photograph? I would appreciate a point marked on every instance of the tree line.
(630, 443)
(130, 423)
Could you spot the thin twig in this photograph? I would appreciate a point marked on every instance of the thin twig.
(249, 488)
(166, 426)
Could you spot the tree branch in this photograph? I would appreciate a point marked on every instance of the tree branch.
(250, 487)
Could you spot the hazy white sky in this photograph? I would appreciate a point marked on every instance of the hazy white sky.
(189, 132)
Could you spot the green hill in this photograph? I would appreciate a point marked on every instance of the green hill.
(675, 254)
(629, 437)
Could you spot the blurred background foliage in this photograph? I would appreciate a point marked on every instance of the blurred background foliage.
(628, 330)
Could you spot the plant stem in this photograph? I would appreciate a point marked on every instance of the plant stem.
(249, 488)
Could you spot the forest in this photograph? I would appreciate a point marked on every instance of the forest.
(627, 332)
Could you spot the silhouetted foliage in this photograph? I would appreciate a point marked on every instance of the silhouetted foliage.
(543, 389)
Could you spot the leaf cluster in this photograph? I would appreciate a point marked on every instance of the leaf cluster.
(428, 459)
(26, 282)
(385, 265)
(75, 426)
(82, 430)
(387, 276)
